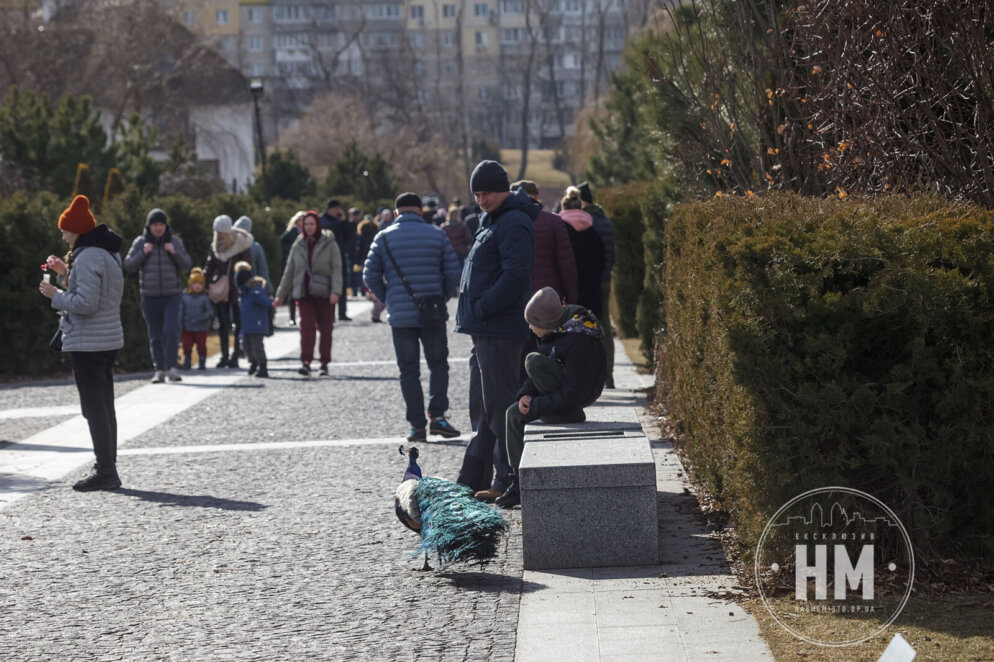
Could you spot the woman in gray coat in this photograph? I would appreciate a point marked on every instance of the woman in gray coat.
(313, 277)
(90, 306)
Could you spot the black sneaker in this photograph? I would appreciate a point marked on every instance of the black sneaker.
(233, 363)
(609, 382)
(253, 367)
(223, 363)
(304, 370)
(511, 497)
(344, 318)
(323, 372)
(442, 427)
(263, 373)
(97, 481)
(418, 434)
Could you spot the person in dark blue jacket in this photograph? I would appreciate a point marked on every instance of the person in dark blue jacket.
(493, 291)
(255, 317)
(421, 254)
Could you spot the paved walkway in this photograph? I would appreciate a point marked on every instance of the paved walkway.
(256, 523)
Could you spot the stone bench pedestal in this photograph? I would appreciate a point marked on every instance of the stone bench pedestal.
(588, 503)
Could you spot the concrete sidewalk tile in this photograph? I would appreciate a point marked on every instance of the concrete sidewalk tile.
(569, 643)
(567, 580)
(633, 608)
(639, 642)
(635, 578)
(548, 608)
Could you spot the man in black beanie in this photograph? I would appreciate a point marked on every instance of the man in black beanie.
(495, 286)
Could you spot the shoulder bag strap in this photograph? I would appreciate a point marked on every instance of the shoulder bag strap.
(410, 292)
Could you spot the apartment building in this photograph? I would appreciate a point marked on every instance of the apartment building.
(469, 61)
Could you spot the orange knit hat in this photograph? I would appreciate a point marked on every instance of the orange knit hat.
(78, 218)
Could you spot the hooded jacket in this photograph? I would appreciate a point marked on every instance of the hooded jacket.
(605, 228)
(426, 258)
(91, 302)
(555, 266)
(578, 346)
(221, 260)
(255, 307)
(159, 273)
(325, 260)
(588, 250)
(496, 279)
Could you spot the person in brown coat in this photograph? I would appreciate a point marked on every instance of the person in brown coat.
(554, 266)
(459, 235)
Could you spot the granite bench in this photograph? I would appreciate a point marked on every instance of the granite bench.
(588, 493)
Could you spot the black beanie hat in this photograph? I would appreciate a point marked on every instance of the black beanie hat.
(585, 193)
(243, 277)
(407, 199)
(156, 216)
(489, 177)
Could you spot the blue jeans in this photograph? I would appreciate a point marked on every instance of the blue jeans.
(162, 319)
(407, 343)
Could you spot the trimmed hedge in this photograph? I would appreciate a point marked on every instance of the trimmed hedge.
(650, 317)
(837, 342)
(29, 232)
(621, 203)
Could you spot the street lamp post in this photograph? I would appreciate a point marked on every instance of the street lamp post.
(255, 87)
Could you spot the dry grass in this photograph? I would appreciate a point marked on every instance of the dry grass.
(938, 627)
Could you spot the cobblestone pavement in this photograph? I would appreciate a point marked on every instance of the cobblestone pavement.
(252, 553)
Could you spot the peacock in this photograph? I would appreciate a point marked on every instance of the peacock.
(449, 520)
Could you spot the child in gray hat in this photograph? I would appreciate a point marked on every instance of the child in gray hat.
(565, 375)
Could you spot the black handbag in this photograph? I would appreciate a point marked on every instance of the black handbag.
(56, 341)
(431, 307)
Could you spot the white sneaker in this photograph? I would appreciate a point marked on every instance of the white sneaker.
(174, 375)
(158, 377)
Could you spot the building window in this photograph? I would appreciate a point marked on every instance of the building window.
(287, 13)
(253, 15)
(257, 69)
(448, 11)
(384, 11)
(449, 39)
(449, 68)
(221, 17)
(482, 40)
(482, 93)
(512, 6)
(290, 41)
(511, 90)
(417, 39)
(420, 68)
(510, 35)
(255, 43)
(480, 9)
(417, 11)
(422, 96)
(324, 12)
(189, 18)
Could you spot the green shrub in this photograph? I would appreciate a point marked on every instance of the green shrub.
(650, 316)
(847, 342)
(621, 203)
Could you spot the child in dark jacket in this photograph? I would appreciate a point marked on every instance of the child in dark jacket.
(565, 375)
(255, 305)
(196, 312)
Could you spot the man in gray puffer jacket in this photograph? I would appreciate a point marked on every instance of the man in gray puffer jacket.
(160, 259)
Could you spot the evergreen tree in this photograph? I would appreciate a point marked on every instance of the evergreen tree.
(286, 177)
(115, 185)
(357, 174)
(132, 155)
(85, 186)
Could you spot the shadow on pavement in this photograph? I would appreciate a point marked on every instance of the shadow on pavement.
(21, 446)
(251, 385)
(18, 483)
(485, 582)
(195, 501)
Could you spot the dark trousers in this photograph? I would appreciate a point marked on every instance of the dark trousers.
(494, 380)
(94, 376)
(407, 344)
(343, 299)
(198, 338)
(316, 314)
(254, 348)
(162, 319)
(547, 376)
(227, 313)
(291, 304)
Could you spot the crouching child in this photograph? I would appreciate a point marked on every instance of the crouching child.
(565, 375)
(255, 306)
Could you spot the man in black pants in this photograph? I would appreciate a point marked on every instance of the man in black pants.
(334, 219)
(495, 286)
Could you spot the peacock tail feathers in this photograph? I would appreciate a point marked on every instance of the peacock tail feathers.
(454, 524)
